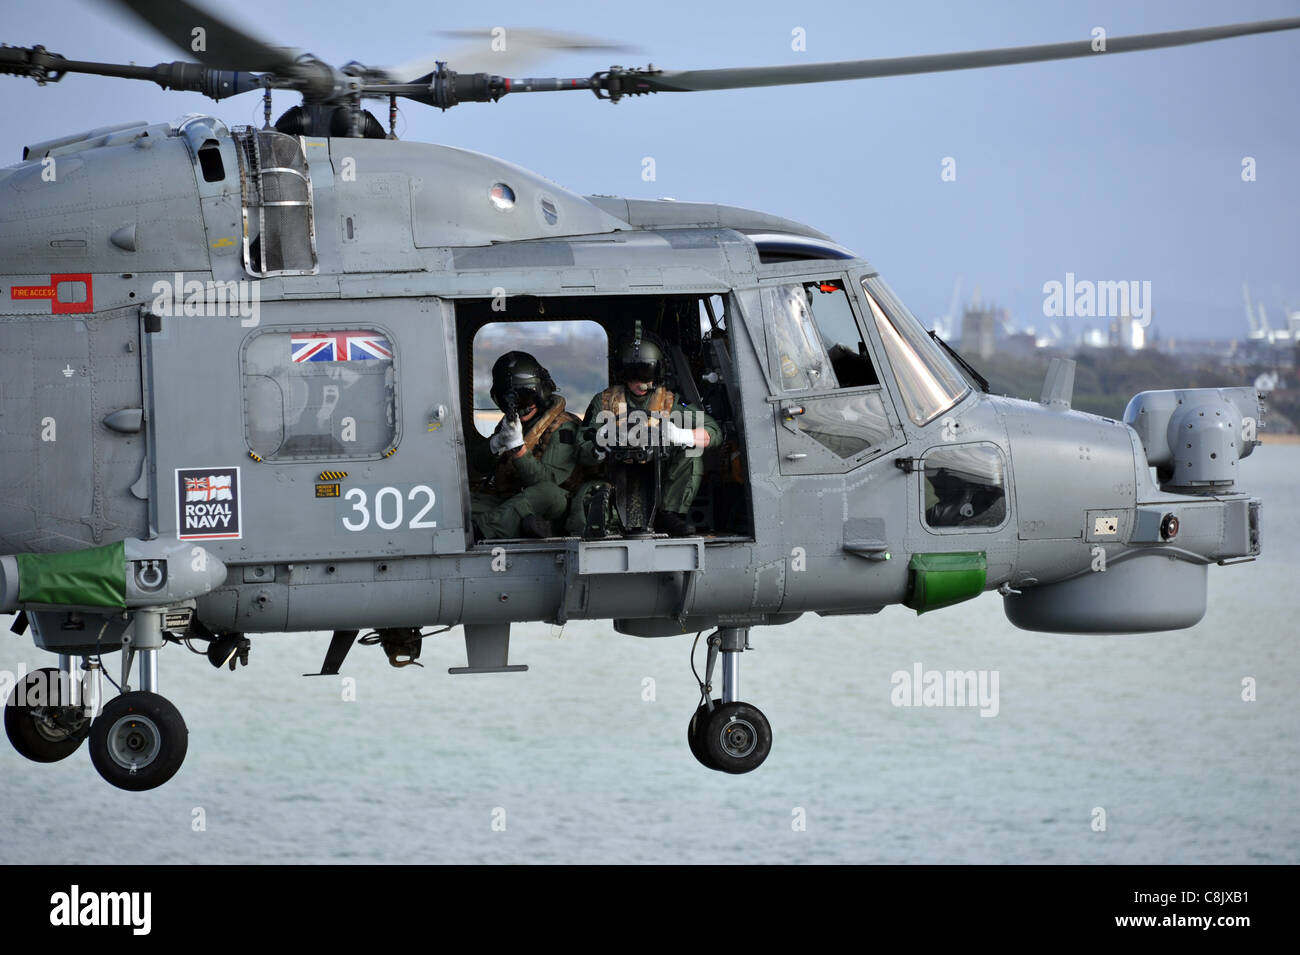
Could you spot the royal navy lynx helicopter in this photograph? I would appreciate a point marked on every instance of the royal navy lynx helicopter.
(176, 471)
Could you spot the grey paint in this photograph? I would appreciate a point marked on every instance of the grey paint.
(147, 181)
(668, 213)
(1142, 595)
(424, 234)
(66, 472)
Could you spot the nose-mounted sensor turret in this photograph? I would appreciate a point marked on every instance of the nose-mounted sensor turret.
(1195, 437)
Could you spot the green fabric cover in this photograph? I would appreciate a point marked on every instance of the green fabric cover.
(95, 577)
(941, 580)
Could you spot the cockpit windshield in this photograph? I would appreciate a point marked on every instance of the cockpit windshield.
(928, 380)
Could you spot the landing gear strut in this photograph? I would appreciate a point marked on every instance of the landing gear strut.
(728, 735)
(139, 740)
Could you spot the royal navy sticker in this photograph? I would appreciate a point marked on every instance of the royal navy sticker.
(207, 504)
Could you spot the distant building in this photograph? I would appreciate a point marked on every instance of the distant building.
(1127, 334)
(1019, 345)
(979, 327)
(1094, 338)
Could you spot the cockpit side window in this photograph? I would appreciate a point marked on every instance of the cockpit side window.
(795, 348)
(928, 381)
(815, 343)
(839, 333)
(816, 349)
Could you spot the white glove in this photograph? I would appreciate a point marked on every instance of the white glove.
(675, 436)
(508, 437)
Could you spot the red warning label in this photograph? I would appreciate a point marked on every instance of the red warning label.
(51, 292)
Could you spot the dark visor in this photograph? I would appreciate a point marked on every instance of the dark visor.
(641, 371)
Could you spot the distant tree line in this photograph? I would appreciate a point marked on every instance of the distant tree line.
(1106, 378)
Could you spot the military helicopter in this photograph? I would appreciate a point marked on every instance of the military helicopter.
(162, 281)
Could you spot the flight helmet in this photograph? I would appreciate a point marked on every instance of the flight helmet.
(519, 380)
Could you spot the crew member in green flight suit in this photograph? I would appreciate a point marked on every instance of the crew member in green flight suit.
(526, 470)
(684, 434)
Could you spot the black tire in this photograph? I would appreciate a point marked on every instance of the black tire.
(139, 741)
(737, 738)
(46, 731)
(695, 734)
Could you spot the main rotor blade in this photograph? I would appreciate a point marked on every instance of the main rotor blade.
(502, 53)
(219, 44)
(46, 67)
(683, 81)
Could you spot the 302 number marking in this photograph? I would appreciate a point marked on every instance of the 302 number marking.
(388, 507)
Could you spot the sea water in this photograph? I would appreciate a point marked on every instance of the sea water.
(1113, 749)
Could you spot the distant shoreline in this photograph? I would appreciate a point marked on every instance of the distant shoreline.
(1279, 438)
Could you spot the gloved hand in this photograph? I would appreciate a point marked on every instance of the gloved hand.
(675, 436)
(508, 436)
(595, 440)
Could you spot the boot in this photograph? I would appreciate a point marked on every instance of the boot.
(534, 526)
(674, 525)
(596, 502)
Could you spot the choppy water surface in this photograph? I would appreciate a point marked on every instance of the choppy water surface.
(581, 768)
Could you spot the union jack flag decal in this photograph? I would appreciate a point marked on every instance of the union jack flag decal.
(340, 346)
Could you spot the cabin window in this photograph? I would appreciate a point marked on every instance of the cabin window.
(320, 393)
(574, 352)
(965, 486)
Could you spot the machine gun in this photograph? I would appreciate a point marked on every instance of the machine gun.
(633, 444)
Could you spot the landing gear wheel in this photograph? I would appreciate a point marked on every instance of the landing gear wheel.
(737, 738)
(139, 741)
(695, 734)
(37, 725)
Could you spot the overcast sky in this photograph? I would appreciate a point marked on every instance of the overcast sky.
(1120, 167)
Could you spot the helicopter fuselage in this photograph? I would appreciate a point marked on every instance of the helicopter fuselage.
(159, 281)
